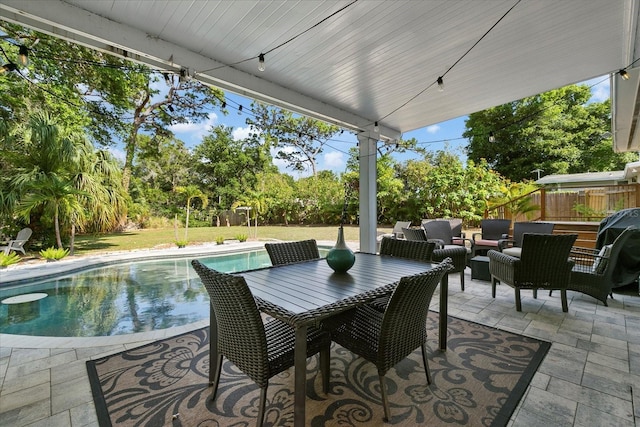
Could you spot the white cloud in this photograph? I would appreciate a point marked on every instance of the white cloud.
(333, 159)
(240, 133)
(433, 129)
(193, 132)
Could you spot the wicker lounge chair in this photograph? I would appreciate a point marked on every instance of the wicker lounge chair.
(543, 264)
(288, 252)
(598, 271)
(260, 350)
(448, 246)
(492, 230)
(513, 246)
(387, 338)
(456, 228)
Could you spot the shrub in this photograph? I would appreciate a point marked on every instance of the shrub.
(241, 237)
(54, 254)
(182, 243)
(6, 260)
(220, 240)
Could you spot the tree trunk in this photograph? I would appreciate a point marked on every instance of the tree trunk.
(56, 222)
(72, 239)
(186, 223)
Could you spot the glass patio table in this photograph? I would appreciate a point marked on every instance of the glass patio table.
(305, 293)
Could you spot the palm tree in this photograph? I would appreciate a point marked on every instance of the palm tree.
(257, 202)
(192, 192)
(57, 197)
(51, 166)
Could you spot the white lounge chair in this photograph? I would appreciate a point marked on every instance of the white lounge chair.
(18, 243)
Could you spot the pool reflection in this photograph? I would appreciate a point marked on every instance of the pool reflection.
(120, 299)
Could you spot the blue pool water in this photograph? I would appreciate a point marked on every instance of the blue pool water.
(119, 299)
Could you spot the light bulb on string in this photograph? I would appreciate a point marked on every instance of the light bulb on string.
(23, 54)
(623, 73)
(440, 84)
(492, 137)
(261, 62)
(9, 66)
(376, 128)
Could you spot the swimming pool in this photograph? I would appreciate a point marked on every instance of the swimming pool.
(117, 299)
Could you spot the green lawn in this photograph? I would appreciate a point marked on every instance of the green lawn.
(156, 238)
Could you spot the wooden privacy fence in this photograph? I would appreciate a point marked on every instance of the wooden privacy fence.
(574, 204)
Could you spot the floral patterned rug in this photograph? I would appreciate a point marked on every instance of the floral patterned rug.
(478, 381)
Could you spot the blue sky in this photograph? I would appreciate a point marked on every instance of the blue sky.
(434, 137)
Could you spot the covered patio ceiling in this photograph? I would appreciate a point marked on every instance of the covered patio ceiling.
(355, 63)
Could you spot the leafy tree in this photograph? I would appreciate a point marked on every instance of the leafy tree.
(279, 192)
(439, 185)
(321, 197)
(298, 140)
(558, 131)
(113, 98)
(161, 165)
(226, 168)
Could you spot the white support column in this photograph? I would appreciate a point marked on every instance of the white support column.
(368, 193)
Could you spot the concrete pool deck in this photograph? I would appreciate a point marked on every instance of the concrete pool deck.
(589, 377)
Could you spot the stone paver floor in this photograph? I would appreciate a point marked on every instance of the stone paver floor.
(590, 377)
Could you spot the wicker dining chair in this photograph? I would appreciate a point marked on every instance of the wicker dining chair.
(387, 338)
(288, 252)
(410, 249)
(543, 264)
(260, 350)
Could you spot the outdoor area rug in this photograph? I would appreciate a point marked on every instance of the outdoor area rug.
(478, 381)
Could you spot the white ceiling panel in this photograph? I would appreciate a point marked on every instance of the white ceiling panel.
(373, 61)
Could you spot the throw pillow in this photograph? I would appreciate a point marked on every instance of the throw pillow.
(600, 264)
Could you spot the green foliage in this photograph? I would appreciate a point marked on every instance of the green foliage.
(558, 131)
(227, 167)
(220, 240)
(6, 260)
(182, 243)
(241, 237)
(439, 185)
(586, 212)
(514, 196)
(53, 253)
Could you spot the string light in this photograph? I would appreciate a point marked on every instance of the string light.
(23, 54)
(492, 137)
(9, 66)
(261, 62)
(376, 128)
(440, 84)
(623, 73)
